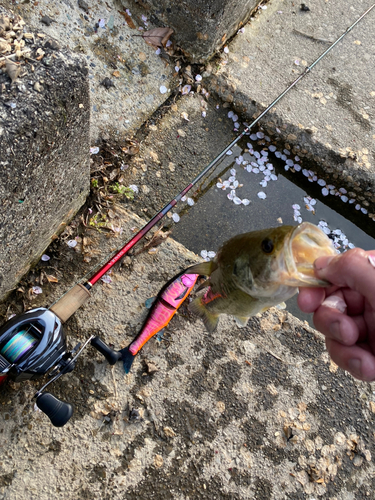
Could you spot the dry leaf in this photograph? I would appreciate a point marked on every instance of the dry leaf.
(116, 73)
(13, 69)
(128, 19)
(133, 149)
(4, 47)
(157, 37)
(4, 22)
(40, 53)
(52, 279)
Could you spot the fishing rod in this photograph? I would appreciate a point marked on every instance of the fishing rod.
(71, 301)
(33, 344)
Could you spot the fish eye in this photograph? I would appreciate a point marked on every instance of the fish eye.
(267, 245)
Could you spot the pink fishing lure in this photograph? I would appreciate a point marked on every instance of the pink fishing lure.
(163, 309)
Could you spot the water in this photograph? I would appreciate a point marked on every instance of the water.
(214, 218)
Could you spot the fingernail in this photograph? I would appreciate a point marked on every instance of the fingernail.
(335, 302)
(355, 367)
(322, 262)
(335, 331)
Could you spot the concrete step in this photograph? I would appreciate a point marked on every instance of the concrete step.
(330, 118)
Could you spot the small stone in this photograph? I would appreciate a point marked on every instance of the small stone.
(169, 432)
(47, 20)
(134, 415)
(52, 44)
(83, 5)
(38, 87)
(158, 461)
(107, 83)
(151, 367)
(220, 405)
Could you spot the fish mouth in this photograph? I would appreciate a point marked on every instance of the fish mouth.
(306, 243)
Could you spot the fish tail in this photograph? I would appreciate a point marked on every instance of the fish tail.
(210, 320)
(127, 359)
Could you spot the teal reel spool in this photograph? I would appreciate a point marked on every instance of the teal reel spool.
(18, 346)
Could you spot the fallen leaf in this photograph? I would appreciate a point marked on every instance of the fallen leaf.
(132, 149)
(128, 19)
(13, 69)
(52, 279)
(116, 73)
(157, 37)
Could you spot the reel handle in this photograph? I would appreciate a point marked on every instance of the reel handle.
(57, 411)
(110, 355)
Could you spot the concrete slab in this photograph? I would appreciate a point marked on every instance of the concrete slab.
(44, 154)
(256, 413)
(112, 52)
(330, 118)
(202, 27)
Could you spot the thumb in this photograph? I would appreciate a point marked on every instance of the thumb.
(354, 269)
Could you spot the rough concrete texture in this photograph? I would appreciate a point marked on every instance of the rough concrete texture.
(330, 117)
(202, 27)
(115, 52)
(175, 149)
(258, 412)
(44, 143)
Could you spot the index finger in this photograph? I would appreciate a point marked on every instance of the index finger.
(353, 269)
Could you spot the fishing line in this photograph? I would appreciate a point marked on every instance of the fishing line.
(121, 252)
(18, 346)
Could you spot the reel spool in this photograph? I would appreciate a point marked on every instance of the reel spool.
(33, 345)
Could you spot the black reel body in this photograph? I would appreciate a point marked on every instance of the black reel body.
(31, 344)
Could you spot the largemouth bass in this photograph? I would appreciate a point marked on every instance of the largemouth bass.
(255, 271)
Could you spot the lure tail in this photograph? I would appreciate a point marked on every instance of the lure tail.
(127, 359)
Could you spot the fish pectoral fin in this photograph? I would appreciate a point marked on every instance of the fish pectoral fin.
(241, 321)
(281, 306)
(263, 310)
(210, 320)
(205, 284)
(202, 268)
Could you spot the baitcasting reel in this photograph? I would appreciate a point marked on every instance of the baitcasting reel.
(34, 344)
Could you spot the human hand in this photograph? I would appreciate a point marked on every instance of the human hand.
(345, 311)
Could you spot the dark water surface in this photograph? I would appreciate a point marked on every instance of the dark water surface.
(214, 218)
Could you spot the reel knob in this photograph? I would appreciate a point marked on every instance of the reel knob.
(110, 355)
(57, 411)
